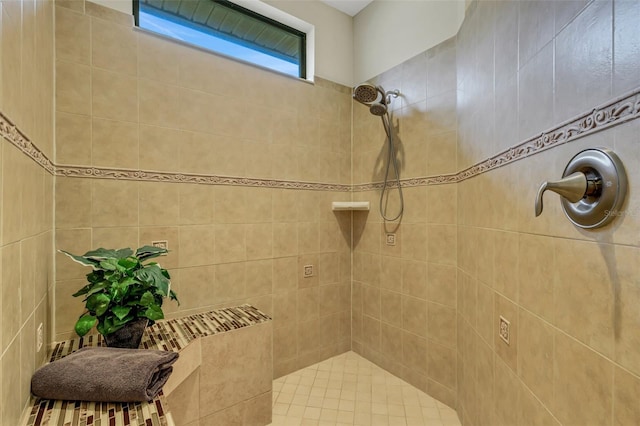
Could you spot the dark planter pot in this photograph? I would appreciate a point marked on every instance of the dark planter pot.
(129, 336)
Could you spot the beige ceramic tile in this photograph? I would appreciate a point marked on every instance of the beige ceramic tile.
(485, 325)
(391, 308)
(583, 299)
(114, 95)
(578, 69)
(509, 311)
(625, 47)
(441, 365)
(11, 305)
(11, 378)
(108, 14)
(159, 203)
(73, 202)
(196, 245)
(414, 242)
(506, 406)
(441, 284)
(114, 203)
(414, 315)
(239, 377)
(73, 88)
(535, 101)
(285, 276)
(73, 139)
(68, 308)
(580, 374)
(196, 204)
(114, 238)
(230, 243)
(157, 59)
(114, 47)
(532, 412)
(625, 409)
(158, 104)
(414, 278)
(285, 239)
(72, 36)
(535, 274)
(259, 243)
(197, 287)
(442, 244)
(413, 352)
(441, 323)
(230, 282)
(114, 144)
(183, 401)
(506, 261)
(625, 281)
(535, 355)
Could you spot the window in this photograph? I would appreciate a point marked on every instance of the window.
(229, 29)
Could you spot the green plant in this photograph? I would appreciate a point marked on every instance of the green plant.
(122, 288)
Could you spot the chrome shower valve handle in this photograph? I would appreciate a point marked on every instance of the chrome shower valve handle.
(574, 187)
(593, 188)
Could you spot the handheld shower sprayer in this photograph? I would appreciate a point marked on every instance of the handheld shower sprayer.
(378, 100)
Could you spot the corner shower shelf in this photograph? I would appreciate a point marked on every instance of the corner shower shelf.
(349, 205)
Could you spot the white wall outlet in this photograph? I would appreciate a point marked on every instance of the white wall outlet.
(504, 329)
(161, 244)
(391, 239)
(39, 337)
(307, 271)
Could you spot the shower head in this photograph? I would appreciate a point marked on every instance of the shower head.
(375, 97)
(366, 93)
(378, 108)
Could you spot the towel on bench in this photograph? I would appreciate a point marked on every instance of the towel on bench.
(105, 375)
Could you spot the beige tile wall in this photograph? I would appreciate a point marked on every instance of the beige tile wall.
(128, 99)
(404, 296)
(26, 237)
(571, 296)
(471, 252)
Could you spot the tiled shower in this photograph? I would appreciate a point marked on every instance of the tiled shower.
(237, 168)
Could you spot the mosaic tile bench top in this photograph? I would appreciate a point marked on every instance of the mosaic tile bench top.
(170, 335)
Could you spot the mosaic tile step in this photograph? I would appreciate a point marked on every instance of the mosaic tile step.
(170, 335)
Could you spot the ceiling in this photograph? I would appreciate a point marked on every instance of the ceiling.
(350, 7)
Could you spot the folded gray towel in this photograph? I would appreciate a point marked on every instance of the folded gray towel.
(105, 375)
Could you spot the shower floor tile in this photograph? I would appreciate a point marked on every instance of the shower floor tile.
(349, 390)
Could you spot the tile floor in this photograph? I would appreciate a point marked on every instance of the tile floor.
(349, 390)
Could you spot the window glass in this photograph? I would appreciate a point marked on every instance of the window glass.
(228, 29)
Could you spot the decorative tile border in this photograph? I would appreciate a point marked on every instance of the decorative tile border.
(10, 132)
(617, 111)
(152, 176)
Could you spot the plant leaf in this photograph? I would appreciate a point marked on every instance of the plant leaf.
(124, 253)
(80, 259)
(98, 303)
(101, 254)
(128, 263)
(147, 299)
(109, 264)
(154, 312)
(152, 274)
(149, 252)
(84, 324)
(121, 311)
